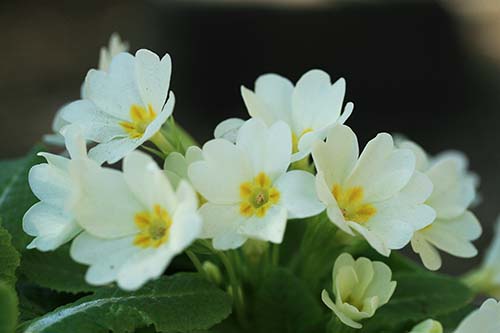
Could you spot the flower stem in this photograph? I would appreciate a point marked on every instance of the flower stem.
(275, 254)
(236, 289)
(162, 143)
(196, 262)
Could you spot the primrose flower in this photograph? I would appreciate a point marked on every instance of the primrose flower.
(454, 189)
(360, 287)
(250, 194)
(486, 279)
(176, 165)
(124, 107)
(134, 222)
(428, 326)
(486, 319)
(364, 194)
(50, 220)
(310, 108)
(115, 46)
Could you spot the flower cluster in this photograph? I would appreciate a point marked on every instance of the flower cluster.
(294, 158)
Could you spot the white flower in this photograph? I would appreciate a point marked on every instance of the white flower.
(486, 279)
(49, 220)
(115, 46)
(365, 194)
(310, 108)
(176, 165)
(125, 107)
(484, 320)
(428, 326)
(250, 194)
(134, 222)
(360, 287)
(454, 189)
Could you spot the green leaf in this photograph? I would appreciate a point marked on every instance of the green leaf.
(283, 303)
(55, 270)
(28, 309)
(16, 196)
(418, 296)
(181, 303)
(9, 258)
(8, 308)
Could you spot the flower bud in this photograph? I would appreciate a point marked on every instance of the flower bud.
(428, 326)
(360, 287)
(212, 272)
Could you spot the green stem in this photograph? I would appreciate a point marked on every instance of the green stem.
(162, 143)
(196, 262)
(275, 254)
(236, 288)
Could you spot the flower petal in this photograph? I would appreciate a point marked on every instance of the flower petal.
(315, 101)
(221, 223)
(114, 92)
(52, 227)
(105, 256)
(228, 129)
(271, 227)
(453, 190)
(275, 92)
(148, 182)
(105, 206)
(381, 170)
(187, 224)
(336, 157)
(454, 236)
(153, 77)
(219, 176)
(269, 149)
(298, 194)
(96, 125)
(428, 254)
(50, 184)
(343, 318)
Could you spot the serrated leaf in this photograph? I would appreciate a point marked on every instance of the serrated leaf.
(9, 258)
(16, 196)
(180, 303)
(8, 308)
(283, 303)
(28, 309)
(55, 270)
(418, 296)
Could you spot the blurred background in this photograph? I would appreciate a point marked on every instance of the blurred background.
(427, 69)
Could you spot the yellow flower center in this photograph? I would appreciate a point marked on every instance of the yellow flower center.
(296, 139)
(257, 196)
(141, 118)
(350, 201)
(154, 227)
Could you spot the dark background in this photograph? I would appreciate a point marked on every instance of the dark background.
(427, 69)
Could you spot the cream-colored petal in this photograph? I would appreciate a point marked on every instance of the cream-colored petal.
(270, 227)
(298, 194)
(269, 149)
(336, 157)
(346, 320)
(153, 77)
(428, 254)
(484, 320)
(219, 176)
(381, 170)
(228, 129)
(221, 223)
